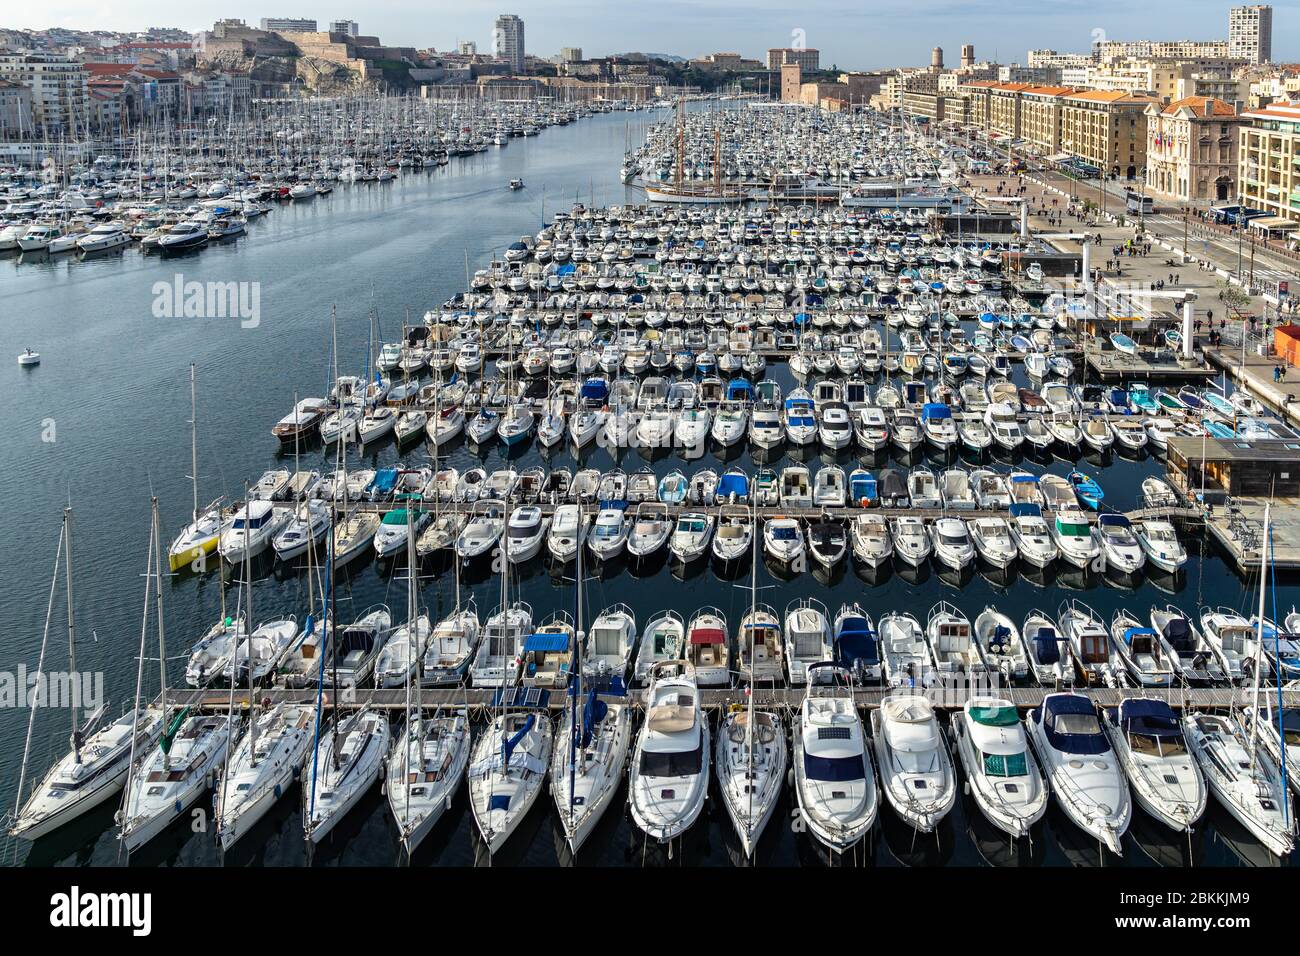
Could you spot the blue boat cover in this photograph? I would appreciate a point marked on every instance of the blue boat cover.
(546, 642)
(1026, 510)
(592, 713)
(1132, 632)
(1057, 706)
(732, 483)
(856, 645)
(510, 743)
(1114, 520)
(1142, 715)
(595, 389)
(739, 388)
(934, 411)
(1046, 648)
(385, 480)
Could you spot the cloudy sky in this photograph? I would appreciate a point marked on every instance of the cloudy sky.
(856, 34)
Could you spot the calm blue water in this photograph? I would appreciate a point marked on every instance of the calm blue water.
(113, 394)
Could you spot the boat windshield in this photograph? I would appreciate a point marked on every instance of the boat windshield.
(833, 769)
(1158, 745)
(677, 763)
(1005, 765)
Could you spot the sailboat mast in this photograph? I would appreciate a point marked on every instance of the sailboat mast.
(1259, 641)
(248, 655)
(162, 633)
(72, 625)
(194, 444)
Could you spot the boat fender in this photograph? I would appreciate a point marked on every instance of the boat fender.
(277, 791)
(177, 807)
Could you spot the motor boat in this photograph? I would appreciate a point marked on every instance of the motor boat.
(870, 539)
(1095, 659)
(911, 539)
(834, 778)
(1149, 742)
(251, 530)
(952, 544)
(904, 651)
(669, 778)
(782, 539)
(1141, 650)
(1120, 547)
(1000, 644)
(1002, 774)
(1050, 659)
(691, 537)
(1078, 761)
(1074, 537)
(807, 639)
(707, 649)
(916, 771)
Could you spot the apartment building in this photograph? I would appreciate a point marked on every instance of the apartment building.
(57, 85)
(1192, 150)
(1268, 168)
(1250, 33)
(1106, 129)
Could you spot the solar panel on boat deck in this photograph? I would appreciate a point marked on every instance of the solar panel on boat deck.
(833, 733)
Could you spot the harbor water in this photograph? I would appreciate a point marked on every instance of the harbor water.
(103, 424)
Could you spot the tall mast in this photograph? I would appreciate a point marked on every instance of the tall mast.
(72, 626)
(1259, 644)
(162, 635)
(194, 444)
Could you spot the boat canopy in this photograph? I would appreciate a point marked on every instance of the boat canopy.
(1026, 510)
(856, 642)
(998, 715)
(1113, 520)
(1132, 633)
(595, 390)
(1046, 647)
(707, 635)
(1152, 718)
(384, 481)
(546, 643)
(1178, 634)
(739, 389)
(1070, 721)
(733, 483)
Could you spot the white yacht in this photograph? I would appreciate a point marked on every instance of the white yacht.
(1148, 739)
(424, 771)
(251, 530)
(587, 764)
(1246, 781)
(91, 772)
(807, 638)
(1084, 772)
(904, 651)
(267, 759)
(834, 780)
(172, 776)
(495, 660)
(611, 644)
(750, 762)
(670, 766)
(1001, 772)
(348, 759)
(916, 772)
